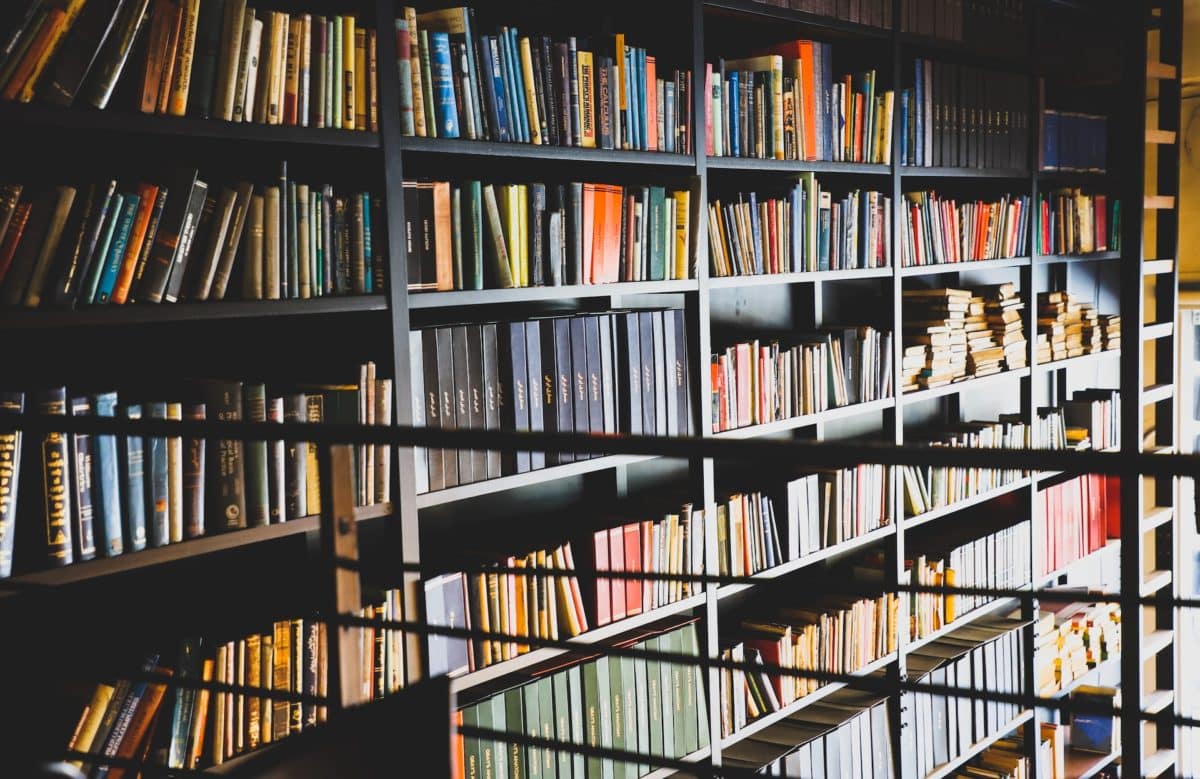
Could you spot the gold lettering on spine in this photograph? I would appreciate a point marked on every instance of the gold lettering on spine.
(58, 507)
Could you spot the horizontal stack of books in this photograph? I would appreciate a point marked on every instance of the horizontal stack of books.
(785, 104)
(939, 230)
(831, 634)
(1068, 328)
(1070, 221)
(998, 560)
(625, 371)
(758, 382)
(210, 59)
(177, 239)
(106, 495)
(1077, 518)
(455, 83)
(1110, 331)
(1072, 639)
(930, 487)
(805, 230)
(473, 235)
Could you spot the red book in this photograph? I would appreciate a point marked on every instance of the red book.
(1113, 505)
(708, 112)
(603, 591)
(139, 726)
(616, 562)
(652, 101)
(772, 232)
(587, 230)
(12, 237)
(633, 564)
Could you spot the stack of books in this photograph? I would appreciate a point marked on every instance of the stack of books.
(476, 235)
(205, 59)
(998, 560)
(1077, 518)
(955, 334)
(1071, 221)
(940, 230)
(1068, 328)
(1110, 331)
(758, 382)
(831, 634)
(930, 487)
(1003, 307)
(455, 83)
(805, 230)
(107, 495)
(176, 238)
(1072, 639)
(785, 104)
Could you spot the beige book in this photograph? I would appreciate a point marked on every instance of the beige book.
(271, 246)
(229, 58)
(247, 80)
(184, 58)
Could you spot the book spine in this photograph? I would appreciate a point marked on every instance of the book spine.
(210, 26)
(56, 479)
(226, 460)
(255, 396)
(10, 480)
(295, 410)
(276, 467)
(404, 69)
(350, 99)
(184, 59)
(114, 53)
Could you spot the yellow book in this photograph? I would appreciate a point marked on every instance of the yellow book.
(683, 235)
(951, 579)
(523, 231)
(566, 603)
(360, 78)
(70, 11)
(619, 55)
(89, 722)
(184, 57)
(273, 81)
(508, 213)
(531, 104)
(521, 604)
(175, 477)
(350, 99)
(418, 97)
(587, 100)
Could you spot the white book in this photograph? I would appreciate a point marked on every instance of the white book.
(305, 69)
(243, 104)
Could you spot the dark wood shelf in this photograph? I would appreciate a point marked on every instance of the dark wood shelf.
(962, 267)
(486, 297)
(1012, 59)
(528, 151)
(162, 313)
(756, 165)
(33, 117)
(773, 14)
(800, 277)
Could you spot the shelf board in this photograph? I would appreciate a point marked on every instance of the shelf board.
(1158, 202)
(1156, 641)
(794, 423)
(1160, 137)
(1161, 70)
(802, 277)
(1156, 516)
(1158, 763)
(528, 151)
(767, 720)
(485, 297)
(35, 116)
(1084, 765)
(796, 166)
(184, 550)
(983, 497)
(985, 610)
(811, 559)
(698, 756)
(1043, 476)
(498, 671)
(957, 387)
(1157, 393)
(945, 172)
(1158, 701)
(1092, 677)
(1154, 581)
(1156, 267)
(1074, 362)
(766, 12)
(162, 313)
(1153, 332)
(1054, 259)
(979, 747)
(504, 483)
(961, 267)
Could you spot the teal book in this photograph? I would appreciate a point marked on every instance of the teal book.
(257, 500)
(157, 493)
(546, 725)
(658, 236)
(135, 485)
(100, 260)
(472, 763)
(680, 675)
(515, 754)
(368, 247)
(561, 689)
(116, 252)
(500, 748)
(108, 490)
(604, 675)
(474, 210)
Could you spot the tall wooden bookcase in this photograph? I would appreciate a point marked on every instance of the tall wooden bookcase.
(423, 530)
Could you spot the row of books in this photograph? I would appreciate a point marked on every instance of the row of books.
(951, 335)
(757, 382)
(848, 733)
(1072, 639)
(1073, 141)
(875, 13)
(1008, 758)
(625, 371)
(106, 495)
(1089, 420)
(472, 235)
(960, 558)
(628, 704)
(1068, 328)
(962, 116)
(929, 487)
(785, 104)
(804, 230)
(984, 657)
(150, 241)
(1076, 518)
(830, 634)
(1071, 221)
(940, 230)
(980, 21)
(213, 59)
(128, 718)
(455, 83)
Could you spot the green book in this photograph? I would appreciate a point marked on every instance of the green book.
(667, 645)
(257, 501)
(499, 748)
(617, 713)
(577, 706)
(654, 698)
(514, 722)
(680, 674)
(603, 676)
(472, 759)
(591, 707)
(487, 747)
(473, 209)
(561, 685)
(431, 127)
(630, 710)
(658, 228)
(641, 710)
(694, 692)
(545, 695)
(456, 235)
(531, 754)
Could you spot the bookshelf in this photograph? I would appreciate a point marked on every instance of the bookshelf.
(703, 30)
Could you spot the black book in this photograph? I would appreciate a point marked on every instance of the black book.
(564, 380)
(198, 206)
(629, 363)
(276, 466)
(491, 393)
(560, 79)
(432, 405)
(223, 400)
(447, 417)
(77, 52)
(516, 390)
(193, 475)
(537, 235)
(604, 138)
(153, 284)
(75, 268)
(537, 395)
(595, 382)
(547, 102)
(284, 236)
(204, 68)
(56, 481)
(678, 378)
(477, 399)
(579, 378)
(17, 278)
(646, 366)
(426, 234)
(73, 236)
(462, 399)
(556, 204)
(574, 274)
(82, 472)
(539, 88)
(608, 372)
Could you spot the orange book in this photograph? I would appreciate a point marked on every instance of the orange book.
(164, 24)
(860, 126)
(137, 235)
(174, 31)
(803, 51)
(610, 232)
(589, 209)
(576, 594)
(139, 726)
(443, 248)
(651, 104)
(598, 262)
(199, 718)
(521, 603)
(458, 759)
(47, 34)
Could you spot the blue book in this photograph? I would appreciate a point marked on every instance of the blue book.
(491, 55)
(92, 282)
(1050, 140)
(510, 92)
(517, 79)
(669, 120)
(735, 127)
(756, 230)
(919, 102)
(82, 466)
(135, 485)
(443, 84)
(368, 250)
(107, 485)
(903, 127)
(128, 708)
(157, 498)
(827, 94)
(116, 253)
